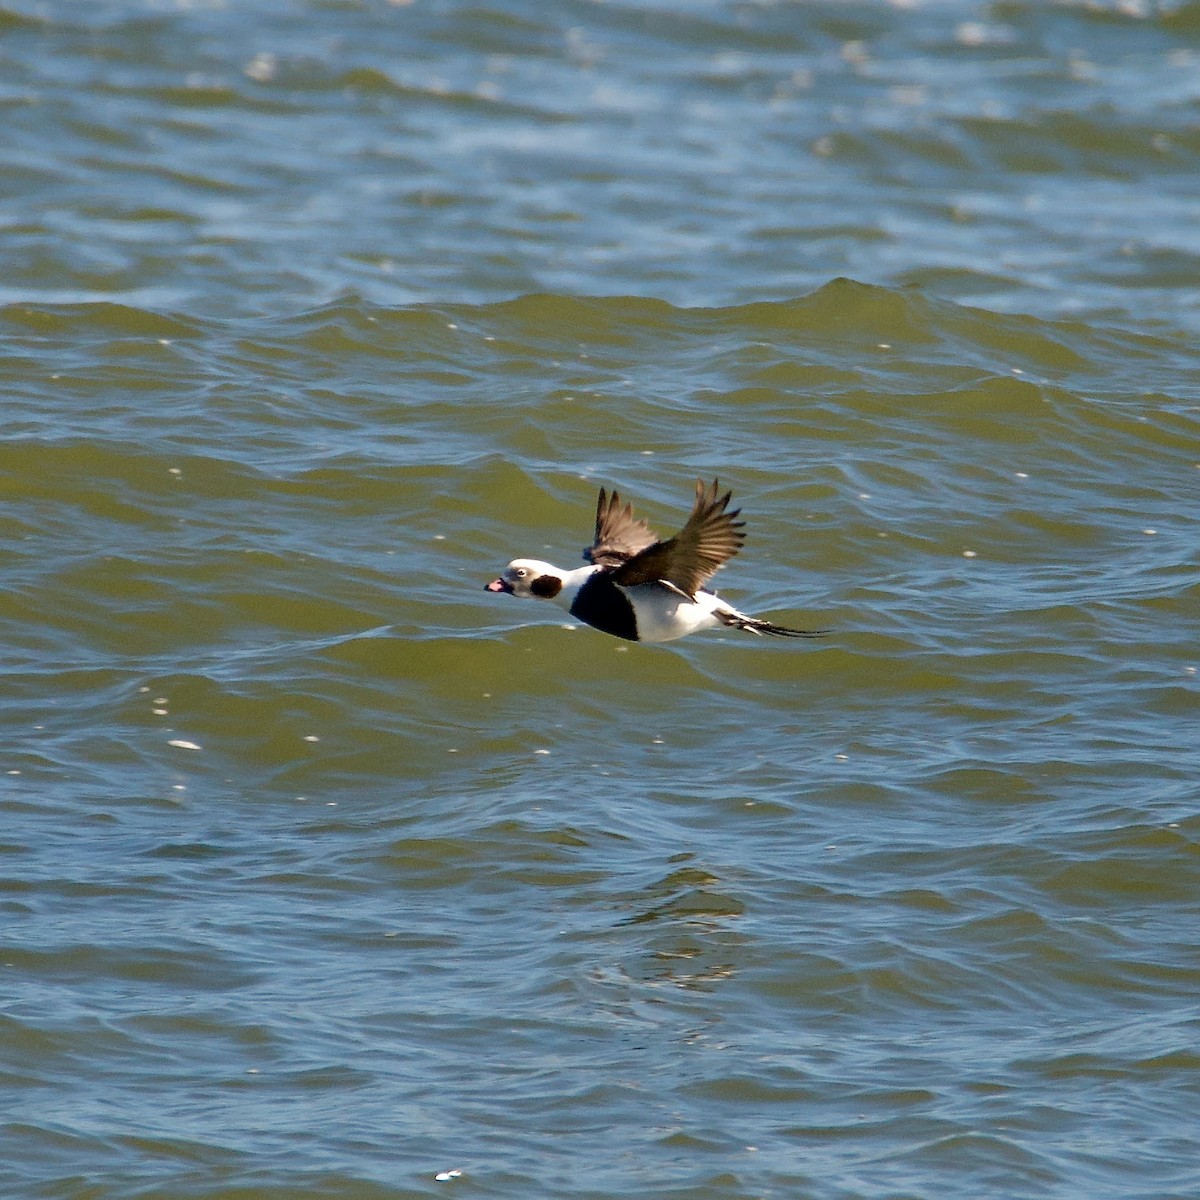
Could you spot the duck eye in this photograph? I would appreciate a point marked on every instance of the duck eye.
(521, 572)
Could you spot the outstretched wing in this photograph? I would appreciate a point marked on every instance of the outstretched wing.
(687, 561)
(619, 534)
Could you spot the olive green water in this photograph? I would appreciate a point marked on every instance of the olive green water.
(325, 873)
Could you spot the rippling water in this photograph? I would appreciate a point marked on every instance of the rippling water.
(326, 873)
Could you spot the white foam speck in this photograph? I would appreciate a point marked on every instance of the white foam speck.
(541, 752)
(1150, 531)
(311, 737)
(159, 712)
(181, 744)
(969, 554)
(444, 1176)
(262, 68)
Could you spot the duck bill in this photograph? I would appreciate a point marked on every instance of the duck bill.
(498, 585)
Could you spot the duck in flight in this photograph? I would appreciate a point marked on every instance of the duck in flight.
(643, 588)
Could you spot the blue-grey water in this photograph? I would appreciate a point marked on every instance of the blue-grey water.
(325, 873)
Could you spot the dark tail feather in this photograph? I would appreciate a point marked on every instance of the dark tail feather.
(754, 625)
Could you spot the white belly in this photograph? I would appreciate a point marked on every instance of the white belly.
(663, 616)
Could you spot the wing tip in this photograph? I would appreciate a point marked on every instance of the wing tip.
(708, 495)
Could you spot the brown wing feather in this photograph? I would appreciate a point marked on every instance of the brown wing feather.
(688, 560)
(619, 534)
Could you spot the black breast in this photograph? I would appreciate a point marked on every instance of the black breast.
(606, 607)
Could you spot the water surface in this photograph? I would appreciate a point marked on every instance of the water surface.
(326, 873)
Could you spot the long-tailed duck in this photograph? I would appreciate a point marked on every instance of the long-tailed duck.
(640, 587)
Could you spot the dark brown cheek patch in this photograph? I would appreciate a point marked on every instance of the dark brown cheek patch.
(546, 587)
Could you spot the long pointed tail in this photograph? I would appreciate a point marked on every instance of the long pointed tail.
(737, 620)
